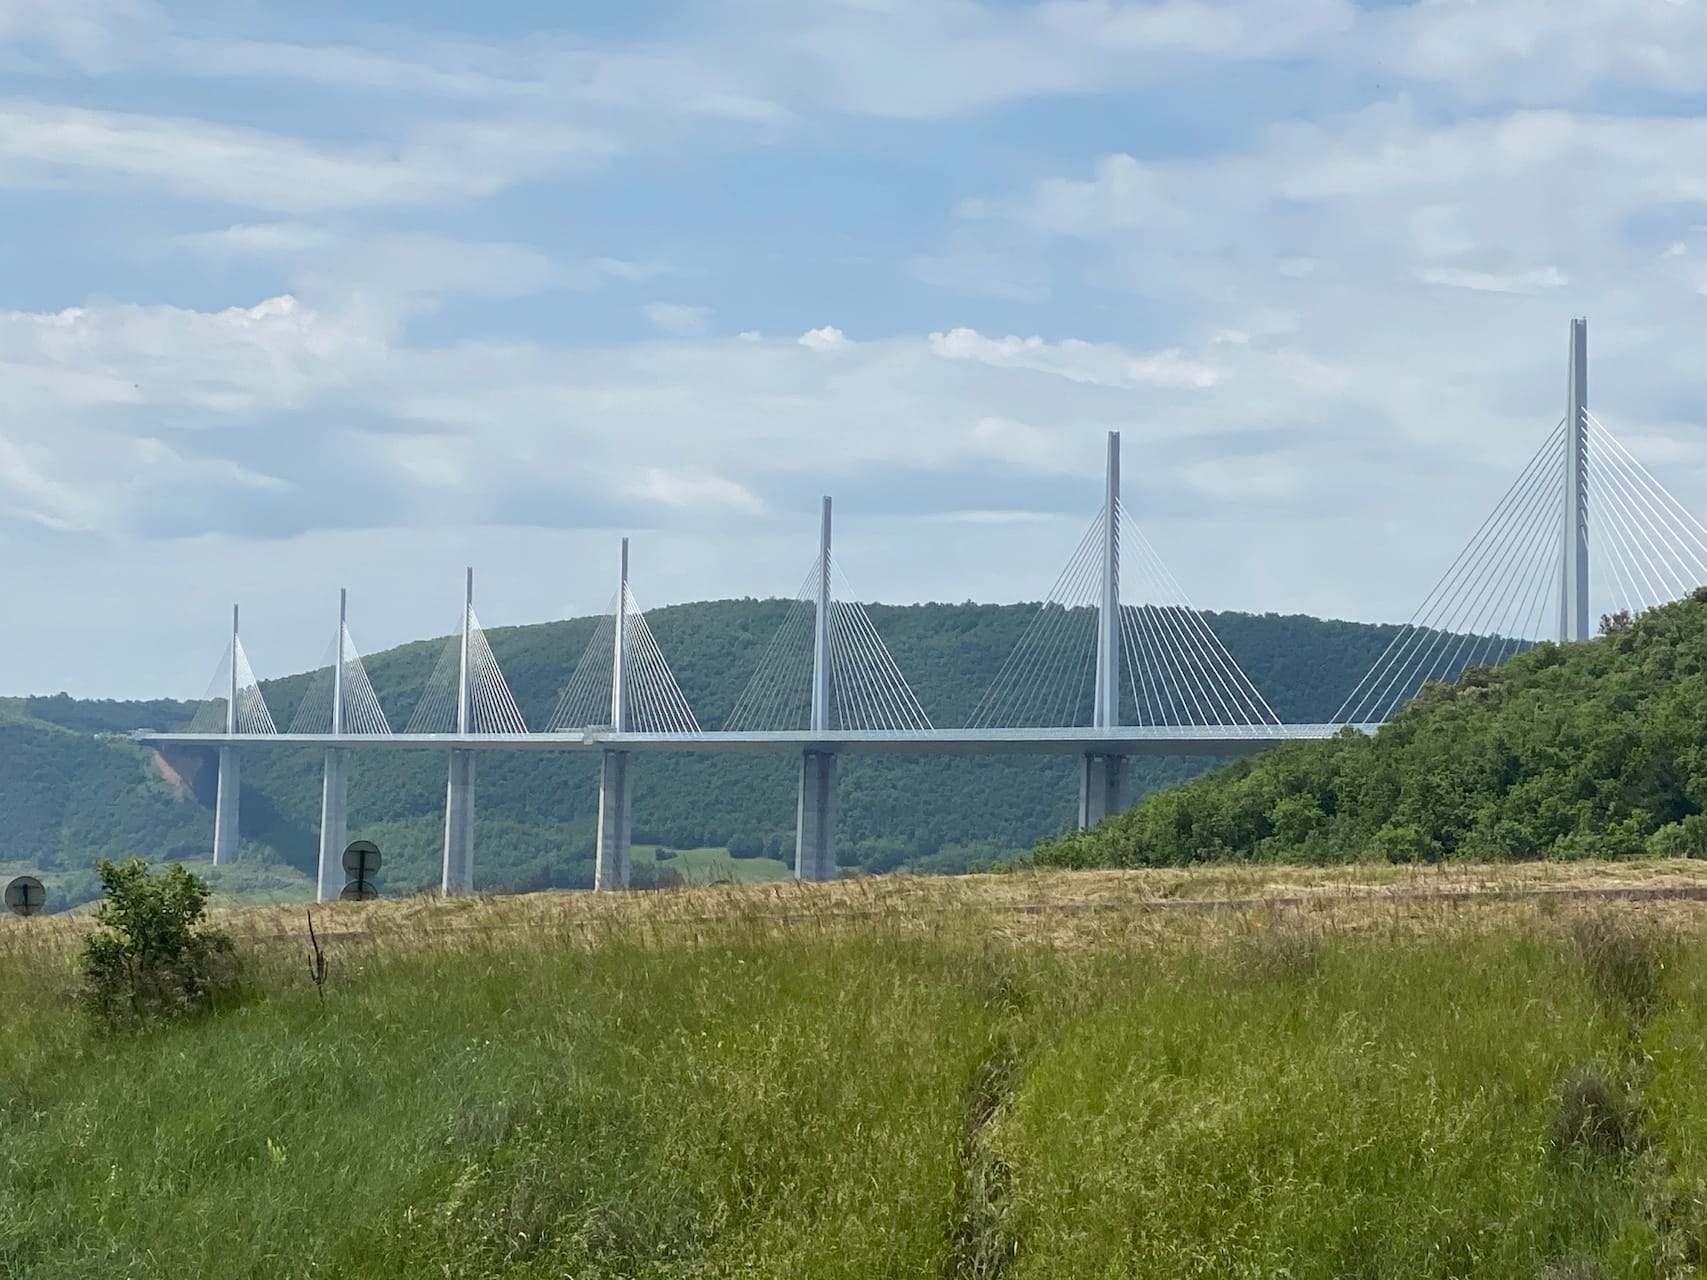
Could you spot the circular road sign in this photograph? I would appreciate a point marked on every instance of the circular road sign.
(361, 860)
(25, 896)
(358, 891)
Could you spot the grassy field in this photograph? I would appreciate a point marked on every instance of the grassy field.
(1356, 1072)
(703, 866)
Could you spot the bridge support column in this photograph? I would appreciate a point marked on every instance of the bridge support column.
(459, 824)
(225, 808)
(1102, 788)
(610, 866)
(815, 837)
(334, 822)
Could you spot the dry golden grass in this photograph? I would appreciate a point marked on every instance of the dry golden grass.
(1063, 908)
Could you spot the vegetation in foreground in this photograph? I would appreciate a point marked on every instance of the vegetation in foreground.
(1585, 750)
(854, 1081)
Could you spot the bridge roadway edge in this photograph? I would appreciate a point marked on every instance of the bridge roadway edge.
(1210, 741)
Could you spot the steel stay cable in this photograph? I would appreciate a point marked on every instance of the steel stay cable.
(1236, 685)
(1363, 692)
(1611, 482)
(1391, 672)
(907, 711)
(757, 694)
(870, 656)
(574, 703)
(1150, 706)
(1023, 659)
(1175, 659)
(1183, 699)
(786, 672)
(1031, 650)
(673, 700)
(764, 688)
(1629, 538)
(850, 696)
(1422, 649)
(1682, 515)
(1477, 625)
(1627, 473)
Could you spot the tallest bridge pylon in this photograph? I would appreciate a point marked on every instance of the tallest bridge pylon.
(1524, 576)
(1573, 570)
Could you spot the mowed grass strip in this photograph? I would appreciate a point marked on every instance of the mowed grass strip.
(902, 1095)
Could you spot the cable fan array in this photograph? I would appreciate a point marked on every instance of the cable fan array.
(362, 713)
(1654, 549)
(491, 706)
(1495, 596)
(1503, 591)
(653, 700)
(1176, 672)
(867, 690)
(252, 714)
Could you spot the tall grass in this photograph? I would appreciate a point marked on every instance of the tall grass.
(743, 1092)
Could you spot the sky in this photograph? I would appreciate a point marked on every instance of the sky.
(309, 296)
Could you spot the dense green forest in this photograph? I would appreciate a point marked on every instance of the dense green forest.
(68, 797)
(1595, 749)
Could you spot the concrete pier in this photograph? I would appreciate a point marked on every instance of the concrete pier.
(615, 839)
(459, 824)
(815, 835)
(1102, 788)
(334, 823)
(225, 808)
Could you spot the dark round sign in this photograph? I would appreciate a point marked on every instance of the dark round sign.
(25, 896)
(358, 891)
(361, 860)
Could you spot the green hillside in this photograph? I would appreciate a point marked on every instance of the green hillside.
(1589, 749)
(72, 796)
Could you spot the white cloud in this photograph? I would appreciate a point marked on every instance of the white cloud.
(827, 338)
(696, 491)
(677, 318)
(1495, 282)
(1078, 361)
(941, 58)
(49, 146)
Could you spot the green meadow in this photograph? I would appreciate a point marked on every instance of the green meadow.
(878, 1081)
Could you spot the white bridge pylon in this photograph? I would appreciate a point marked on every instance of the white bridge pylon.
(233, 703)
(622, 680)
(826, 668)
(340, 697)
(1117, 642)
(466, 692)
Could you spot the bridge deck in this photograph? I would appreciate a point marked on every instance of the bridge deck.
(1212, 740)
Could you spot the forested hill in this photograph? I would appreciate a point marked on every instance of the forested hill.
(1589, 749)
(67, 797)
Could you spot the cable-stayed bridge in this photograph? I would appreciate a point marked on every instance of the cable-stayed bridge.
(1115, 663)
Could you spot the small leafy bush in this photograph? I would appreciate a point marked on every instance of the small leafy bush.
(154, 958)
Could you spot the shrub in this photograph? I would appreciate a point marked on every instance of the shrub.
(154, 957)
(1589, 1114)
(1685, 838)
